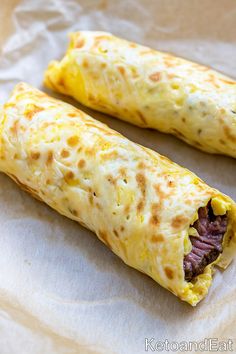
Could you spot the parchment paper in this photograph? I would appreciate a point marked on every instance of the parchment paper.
(61, 290)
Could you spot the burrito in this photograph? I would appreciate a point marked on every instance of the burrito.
(156, 216)
(149, 88)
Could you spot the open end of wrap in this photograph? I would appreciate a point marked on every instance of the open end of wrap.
(207, 245)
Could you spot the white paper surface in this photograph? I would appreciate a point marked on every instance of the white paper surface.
(61, 290)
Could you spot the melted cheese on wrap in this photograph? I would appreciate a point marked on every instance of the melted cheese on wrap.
(149, 88)
(139, 203)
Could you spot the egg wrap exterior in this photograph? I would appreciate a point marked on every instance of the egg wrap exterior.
(149, 88)
(139, 203)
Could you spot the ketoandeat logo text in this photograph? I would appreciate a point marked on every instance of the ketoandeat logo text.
(206, 345)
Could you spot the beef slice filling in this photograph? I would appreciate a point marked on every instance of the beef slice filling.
(207, 247)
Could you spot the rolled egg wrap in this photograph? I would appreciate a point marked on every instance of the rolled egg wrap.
(140, 204)
(149, 89)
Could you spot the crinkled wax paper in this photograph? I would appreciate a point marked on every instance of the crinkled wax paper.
(61, 289)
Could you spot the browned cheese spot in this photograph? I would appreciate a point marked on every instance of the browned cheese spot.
(140, 206)
(121, 69)
(81, 163)
(110, 155)
(35, 155)
(49, 158)
(179, 221)
(111, 179)
(155, 77)
(169, 272)
(141, 165)
(184, 120)
(122, 228)
(14, 128)
(65, 153)
(69, 176)
(73, 141)
(141, 180)
(154, 220)
(72, 114)
(171, 184)
(80, 43)
(157, 238)
(29, 115)
(85, 64)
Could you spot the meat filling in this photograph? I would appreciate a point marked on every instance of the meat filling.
(207, 247)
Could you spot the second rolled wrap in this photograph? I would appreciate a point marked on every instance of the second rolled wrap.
(150, 89)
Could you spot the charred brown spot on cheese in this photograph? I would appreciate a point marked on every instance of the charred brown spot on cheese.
(48, 181)
(171, 184)
(228, 134)
(73, 140)
(169, 273)
(179, 221)
(81, 163)
(65, 153)
(141, 116)
(157, 238)
(121, 69)
(16, 156)
(103, 65)
(35, 155)
(155, 77)
(79, 43)
(183, 120)
(141, 180)
(154, 220)
(111, 179)
(141, 165)
(49, 158)
(140, 206)
(85, 64)
(110, 155)
(69, 176)
(32, 111)
(15, 127)
(122, 228)
(72, 114)
(160, 193)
